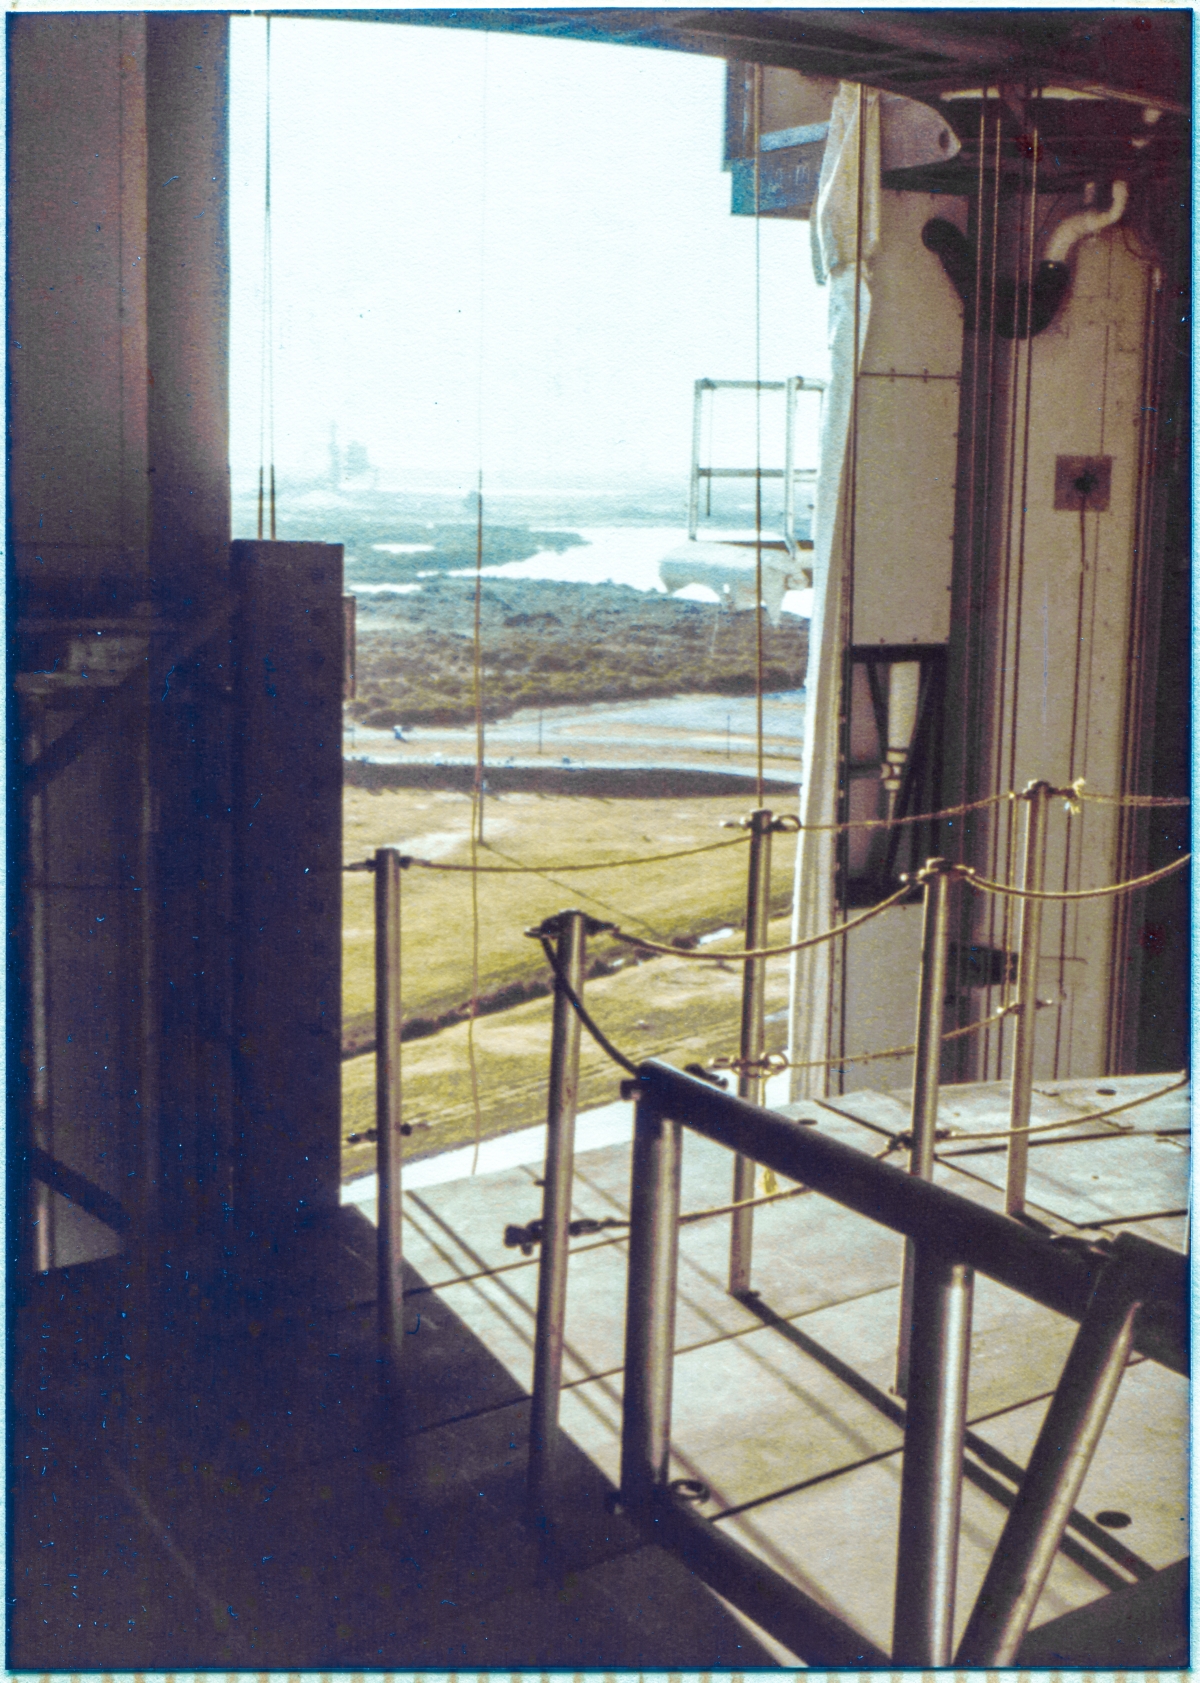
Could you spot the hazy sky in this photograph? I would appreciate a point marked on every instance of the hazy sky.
(497, 245)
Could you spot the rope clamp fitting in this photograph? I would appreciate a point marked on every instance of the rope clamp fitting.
(702, 1074)
(935, 868)
(785, 822)
(550, 928)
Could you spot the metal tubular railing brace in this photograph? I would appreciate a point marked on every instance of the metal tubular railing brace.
(388, 1120)
(650, 1304)
(569, 931)
(1070, 1432)
(751, 1079)
(931, 993)
(1037, 796)
(1131, 1296)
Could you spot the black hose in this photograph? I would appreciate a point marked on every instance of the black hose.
(1021, 312)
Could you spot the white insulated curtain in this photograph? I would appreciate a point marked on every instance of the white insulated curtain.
(842, 251)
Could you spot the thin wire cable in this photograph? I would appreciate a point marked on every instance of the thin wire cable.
(266, 371)
(572, 888)
(958, 840)
(472, 1061)
(1027, 417)
(477, 660)
(1003, 838)
(988, 496)
(758, 562)
(270, 297)
(477, 643)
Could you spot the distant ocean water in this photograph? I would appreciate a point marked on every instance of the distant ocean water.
(626, 555)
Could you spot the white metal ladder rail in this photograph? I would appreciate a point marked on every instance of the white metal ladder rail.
(791, 387)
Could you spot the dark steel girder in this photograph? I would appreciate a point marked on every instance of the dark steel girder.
(1144, 58)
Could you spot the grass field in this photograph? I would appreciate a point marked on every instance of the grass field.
(668, 1005)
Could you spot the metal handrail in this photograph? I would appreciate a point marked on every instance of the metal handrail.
(788, 473)
(1126, 1295)
(996, 1245)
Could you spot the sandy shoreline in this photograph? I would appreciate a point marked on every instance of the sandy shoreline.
(699, 732)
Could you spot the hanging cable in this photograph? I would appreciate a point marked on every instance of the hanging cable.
(477, 641)
(1030, 263)
(574, 889)
(962, 726)
(580, 1010)
(982, 558)
(758, 563)
(1003, 846)
(266, 378)
(477, 664)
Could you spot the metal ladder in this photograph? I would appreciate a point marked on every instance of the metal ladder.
(789, 472)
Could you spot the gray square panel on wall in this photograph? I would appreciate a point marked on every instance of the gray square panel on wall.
(902, 509)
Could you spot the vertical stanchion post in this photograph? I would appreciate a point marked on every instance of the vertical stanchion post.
(931, 994)
(388, 1112)
(1057, 1467)
(931, 1480)
(1037, 796)
(650, 1305)
(935, 1341)
(569, 931)
(750, 1051)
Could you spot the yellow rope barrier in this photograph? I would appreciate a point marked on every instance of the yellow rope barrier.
(1080, 793)
(965, 1134)
(793, 827)
(777, 1062)
(595, 865)
(1011, 891)
(766, 1197)
(764, 952)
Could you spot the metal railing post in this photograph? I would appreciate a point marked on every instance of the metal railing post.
(699, 389)
(750, 1051)
(1057, 1467)
(931, 1480)
(388, 1112)
(569, 930)
(935, 1342)
(931, 994)
(650, 1305)
(1030, 927)
(794, 384)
